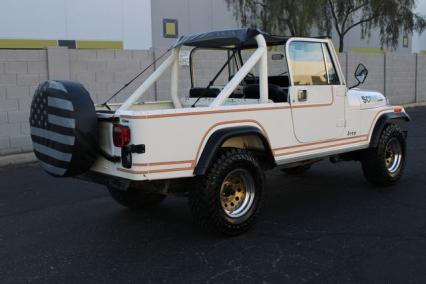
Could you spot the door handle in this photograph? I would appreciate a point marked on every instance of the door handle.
(302, 95)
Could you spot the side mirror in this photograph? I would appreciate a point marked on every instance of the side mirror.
(361, 73)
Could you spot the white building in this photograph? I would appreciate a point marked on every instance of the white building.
(128, 24)
(138, 24)
(93, 22)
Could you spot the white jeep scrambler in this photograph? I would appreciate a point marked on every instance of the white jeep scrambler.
(287, 111)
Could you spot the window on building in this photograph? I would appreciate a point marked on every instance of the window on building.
(405, 41)
(170, 28)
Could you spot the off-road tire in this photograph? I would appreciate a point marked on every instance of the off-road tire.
(299, 170)
(135, 199)
(373, 160)
(205, 199)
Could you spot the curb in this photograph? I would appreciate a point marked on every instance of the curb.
(27, 158)
(17, 159)
(413, 105)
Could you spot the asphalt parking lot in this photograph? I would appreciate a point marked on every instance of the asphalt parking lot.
(326, 226)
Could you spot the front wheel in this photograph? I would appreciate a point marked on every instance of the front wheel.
(384, 164)
(228, 198)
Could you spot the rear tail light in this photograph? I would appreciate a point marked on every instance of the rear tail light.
(120, 135)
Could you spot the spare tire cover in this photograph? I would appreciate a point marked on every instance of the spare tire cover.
(64, 128)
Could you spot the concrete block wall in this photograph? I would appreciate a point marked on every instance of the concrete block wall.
(20, 73)
(103, 72)
(421, 78)
(400, 78)
(376, 71)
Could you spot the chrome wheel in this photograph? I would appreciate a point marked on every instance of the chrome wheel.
(393, 156)
(237, 193)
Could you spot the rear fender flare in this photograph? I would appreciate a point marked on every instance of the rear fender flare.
(218, 138)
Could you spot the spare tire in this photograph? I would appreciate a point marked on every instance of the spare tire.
(64, 128)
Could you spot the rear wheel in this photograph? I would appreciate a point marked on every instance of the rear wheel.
(134, 199)
(384, 164)
(228, 198)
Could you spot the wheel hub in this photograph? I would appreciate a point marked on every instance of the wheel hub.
(393, 156)
(237, 193)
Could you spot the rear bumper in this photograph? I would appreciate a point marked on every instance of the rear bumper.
(175, 186)
(104, 179)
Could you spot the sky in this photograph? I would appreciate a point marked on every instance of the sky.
(419, 41)
(421, 7)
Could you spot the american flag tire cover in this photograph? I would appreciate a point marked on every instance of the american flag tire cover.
(64, 128)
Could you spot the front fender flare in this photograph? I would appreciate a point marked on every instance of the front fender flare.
(217, 139)
(385, 119)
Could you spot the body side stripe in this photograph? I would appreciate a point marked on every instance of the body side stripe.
(361, 137)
